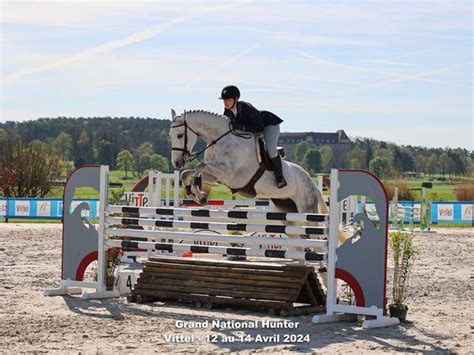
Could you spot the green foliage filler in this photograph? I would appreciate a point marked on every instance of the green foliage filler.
(404, 255)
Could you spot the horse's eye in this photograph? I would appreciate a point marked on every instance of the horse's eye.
(180, 135)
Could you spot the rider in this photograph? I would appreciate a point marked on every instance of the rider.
(247, 118)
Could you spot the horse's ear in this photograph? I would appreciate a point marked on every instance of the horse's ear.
(173, 114)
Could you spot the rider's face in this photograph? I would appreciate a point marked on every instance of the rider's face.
(229, 103)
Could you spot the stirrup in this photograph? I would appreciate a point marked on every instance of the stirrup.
(281, 182)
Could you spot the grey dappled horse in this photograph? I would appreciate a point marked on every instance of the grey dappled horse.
(232, 158)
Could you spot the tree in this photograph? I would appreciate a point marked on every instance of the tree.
(420, 163)
(85, 153)
(402, 160)
(380, 167)
(357, 158)
(66, 167)
(312, 161)
(125, 161)
(383, 153)
(432, 165)
(369, 154)
(3, 136)
(326, 159)
(443, 163)
(300, 150)
(106, 153)
(62, 145)
(28, 170)
(142, 156)
(470, 167)
(159, 163)
(460, 162)
(355, 164)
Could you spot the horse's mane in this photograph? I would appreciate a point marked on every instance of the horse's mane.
(208, 112)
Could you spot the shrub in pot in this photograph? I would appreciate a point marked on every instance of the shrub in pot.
(404, 255)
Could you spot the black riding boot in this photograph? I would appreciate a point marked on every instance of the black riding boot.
(276, 163)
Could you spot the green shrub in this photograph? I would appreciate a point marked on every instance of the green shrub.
(404, 255)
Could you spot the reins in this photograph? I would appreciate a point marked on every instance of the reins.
(187, 155)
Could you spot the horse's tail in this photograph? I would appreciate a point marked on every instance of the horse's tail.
(319, 203)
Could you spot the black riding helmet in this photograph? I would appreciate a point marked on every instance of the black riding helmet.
(230, 92)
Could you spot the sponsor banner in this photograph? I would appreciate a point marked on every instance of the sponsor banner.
(467, 212)
(3, 208)
(138, 199)
(43, 208)
(22, 208)
(445, 212)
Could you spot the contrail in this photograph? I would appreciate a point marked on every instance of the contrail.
(109, 46)
(317, 60)
(223, 64)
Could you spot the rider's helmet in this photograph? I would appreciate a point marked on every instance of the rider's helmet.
(230, 92)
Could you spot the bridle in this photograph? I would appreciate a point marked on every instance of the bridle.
(188, 156)
(186, 153)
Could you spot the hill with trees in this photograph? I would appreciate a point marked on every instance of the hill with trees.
(135, 144)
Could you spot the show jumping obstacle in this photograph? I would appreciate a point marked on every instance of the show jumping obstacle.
(360, 261)
(402, 213)
(407, 212)
(162, 190)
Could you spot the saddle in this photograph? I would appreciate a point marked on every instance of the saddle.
(263, 156)
(265, 165)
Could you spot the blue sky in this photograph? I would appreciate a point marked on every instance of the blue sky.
(397, 71)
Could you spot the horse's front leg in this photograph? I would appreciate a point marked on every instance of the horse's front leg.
(198, 183)
(187, 177)
(203, 182)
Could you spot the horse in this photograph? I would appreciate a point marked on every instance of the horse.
(231, 157)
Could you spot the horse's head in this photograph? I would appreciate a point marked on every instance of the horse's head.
(183, 139)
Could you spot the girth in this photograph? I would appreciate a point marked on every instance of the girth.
(249, 189)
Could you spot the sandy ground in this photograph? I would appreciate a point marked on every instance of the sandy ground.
(440, 301)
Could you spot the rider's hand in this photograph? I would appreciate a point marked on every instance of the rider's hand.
(238, 125)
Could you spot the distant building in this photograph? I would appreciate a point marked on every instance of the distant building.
(289, 140)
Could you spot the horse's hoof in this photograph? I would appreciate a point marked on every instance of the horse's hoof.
(188, 191)
(203, 200)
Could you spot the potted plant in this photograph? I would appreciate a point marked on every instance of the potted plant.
(404, 255)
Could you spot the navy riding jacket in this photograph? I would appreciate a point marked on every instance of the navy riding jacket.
(249, 119)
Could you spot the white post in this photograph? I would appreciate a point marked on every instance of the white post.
(422, 204)
(103, 198)
(157, 184)
(100, 289)
(176, 189)
(168, 190)
(334, 215)
(395, 207)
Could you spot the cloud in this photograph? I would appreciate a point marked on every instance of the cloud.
(303, 39)
(112, 45)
